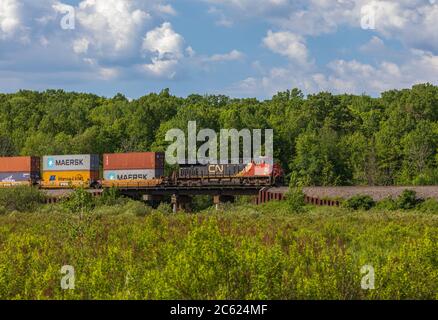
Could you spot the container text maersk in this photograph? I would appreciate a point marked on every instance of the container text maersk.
(70, 162)
(133, 174)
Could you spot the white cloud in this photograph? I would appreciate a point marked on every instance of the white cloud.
(374, 45)
(166, 48)
(161, 68)
(166, 9)
(231, 56)
(164, 42)
(80, 46)
(9, 18)
(287, 44)
(108, 73)
(353, 76)
(111, 27)
(350, 76)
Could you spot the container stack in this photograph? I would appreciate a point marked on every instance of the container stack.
(19, 171)
(133, 166)
(70, 170)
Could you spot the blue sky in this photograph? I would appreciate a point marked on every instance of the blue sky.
(241, 48)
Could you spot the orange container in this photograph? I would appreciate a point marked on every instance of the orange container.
(19, 164)
(133, 161)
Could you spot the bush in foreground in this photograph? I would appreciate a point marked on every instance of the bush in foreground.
(408, 200)
(295, 199)
(428, 206)
(23, 199)
(359, 202)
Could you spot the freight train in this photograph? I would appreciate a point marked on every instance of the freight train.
(123, 170)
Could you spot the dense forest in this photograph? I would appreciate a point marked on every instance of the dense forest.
(321, 139)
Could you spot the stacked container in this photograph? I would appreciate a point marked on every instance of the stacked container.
(133, 166)
(70, 170)
(19, 171)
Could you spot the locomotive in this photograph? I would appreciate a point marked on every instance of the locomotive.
(252, 173)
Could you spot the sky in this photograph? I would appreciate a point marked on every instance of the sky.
(240, 48)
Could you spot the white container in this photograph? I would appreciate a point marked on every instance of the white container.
(77, 162)
(145, 174)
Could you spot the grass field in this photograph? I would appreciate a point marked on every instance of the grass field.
(129, 251)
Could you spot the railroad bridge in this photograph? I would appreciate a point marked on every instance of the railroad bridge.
(181, 196)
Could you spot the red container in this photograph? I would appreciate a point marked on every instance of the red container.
(20, 164)
(134, 160)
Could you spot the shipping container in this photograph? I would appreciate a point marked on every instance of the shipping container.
(133, 161)
(18, 176)
(144, 174)
(64, 176)
(20, 164)
(78, 162)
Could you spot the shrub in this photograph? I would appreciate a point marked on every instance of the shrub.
(408, 200)
(387, 204)
(110, 197)
(80, 201)
(429, 206)
(136, 208)
(165, 208)
(21, 199)
(201, 202)
(359, 202)
(295, 199)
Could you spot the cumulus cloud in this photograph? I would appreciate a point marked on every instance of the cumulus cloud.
(110, 27)
(357, 77)
(350, 76)
(9, 18)
(166, 48)
(287, 44)
(164, 42)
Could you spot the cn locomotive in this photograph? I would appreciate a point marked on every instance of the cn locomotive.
(251, 173)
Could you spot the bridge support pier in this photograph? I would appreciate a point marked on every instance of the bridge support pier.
(152, 200)
(180, 202)
(219, 199)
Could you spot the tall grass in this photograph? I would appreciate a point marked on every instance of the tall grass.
(20, 199)
(130, 251)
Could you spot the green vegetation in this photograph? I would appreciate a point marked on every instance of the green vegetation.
(20, 199)
(408, 200)
(295, 200)
(359, 202)
(321, 139)
(124, 249)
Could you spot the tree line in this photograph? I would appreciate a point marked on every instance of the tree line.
(320, 139)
